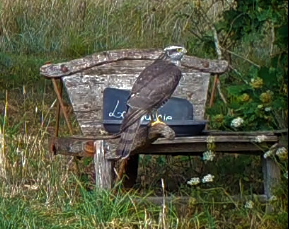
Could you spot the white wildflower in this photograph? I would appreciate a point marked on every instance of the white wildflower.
(208, 178)
(260, 138)
(237, 122)
(282, 153)
(268, 109)
(194, 181)
(286, 175)
(249, 204)
(269, 153)
(36, 109)
(208, 155)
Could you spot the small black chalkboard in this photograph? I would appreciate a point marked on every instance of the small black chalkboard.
(177, 113)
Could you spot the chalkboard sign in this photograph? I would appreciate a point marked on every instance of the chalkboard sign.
(176, 112)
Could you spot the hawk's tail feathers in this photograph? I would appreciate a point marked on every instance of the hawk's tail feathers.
(126, 140)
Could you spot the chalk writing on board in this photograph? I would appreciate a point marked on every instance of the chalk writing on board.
(163, 117)
(116, 113)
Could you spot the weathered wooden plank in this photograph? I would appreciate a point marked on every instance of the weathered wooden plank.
(86, 93)
(92, 127)
(208, 133)
(253, 133)
(192, 146)
(198, 148)
(97, 59)
(78, 147)
(216, 138)
(104, 169)
(71, 147)
(131, 172)
(271, 176)
(86, 78)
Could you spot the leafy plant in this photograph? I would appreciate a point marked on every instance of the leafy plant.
(257, 93)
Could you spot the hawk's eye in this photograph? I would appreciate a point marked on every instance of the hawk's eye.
(179, 50)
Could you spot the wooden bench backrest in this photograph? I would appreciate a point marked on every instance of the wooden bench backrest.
(89, 76)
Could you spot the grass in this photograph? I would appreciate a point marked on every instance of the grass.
(41, 191)
(75, 28)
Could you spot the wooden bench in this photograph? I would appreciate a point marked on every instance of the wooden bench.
(85, 80)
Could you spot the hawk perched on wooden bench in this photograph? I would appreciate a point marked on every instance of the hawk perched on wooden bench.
(153, 87)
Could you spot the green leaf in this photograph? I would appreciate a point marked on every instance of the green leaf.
(234, 105)
(282, 37)
(280, 103)
(237, 90)
(253, 71)
(268, 76)
(282, 32)
(264, 15)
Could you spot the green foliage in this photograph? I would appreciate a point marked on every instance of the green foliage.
(258, 95)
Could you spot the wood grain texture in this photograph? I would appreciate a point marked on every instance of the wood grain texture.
(84, 148)
(272, 177)
(243, 144)
(86, 91)
(86, 78)
(104, 169)
(106, 57)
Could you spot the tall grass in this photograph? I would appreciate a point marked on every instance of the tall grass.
(42, 31)
(38, 190)
(74, 28)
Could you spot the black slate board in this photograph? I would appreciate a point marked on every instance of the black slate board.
(177, 113)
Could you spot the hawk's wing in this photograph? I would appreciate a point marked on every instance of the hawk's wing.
(152, 89)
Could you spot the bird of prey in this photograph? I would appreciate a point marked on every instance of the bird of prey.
(153, 87)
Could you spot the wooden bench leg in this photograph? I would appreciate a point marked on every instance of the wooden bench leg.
(272, 176)
(104, 169)
(131, 172)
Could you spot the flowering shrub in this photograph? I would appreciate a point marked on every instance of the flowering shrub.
(256, 93)
(253, 106)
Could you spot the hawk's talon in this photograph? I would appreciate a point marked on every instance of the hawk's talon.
(158, 121)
